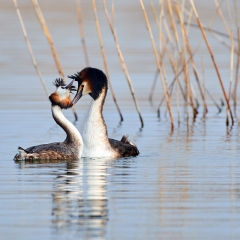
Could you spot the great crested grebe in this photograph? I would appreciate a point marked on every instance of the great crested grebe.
(72, 147)
(94, 82)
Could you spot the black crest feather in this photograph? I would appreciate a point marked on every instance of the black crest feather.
(96, 78)
(59, 82)
(76, 77)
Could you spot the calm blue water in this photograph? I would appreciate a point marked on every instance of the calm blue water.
(184, 184)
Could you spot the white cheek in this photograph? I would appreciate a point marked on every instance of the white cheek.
(63, 93)
(86, 90)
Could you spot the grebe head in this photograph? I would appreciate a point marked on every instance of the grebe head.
(61, 96)
(90, 81)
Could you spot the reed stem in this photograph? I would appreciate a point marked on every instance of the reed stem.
(166, 94)
(48, 36)
(185, 36)
(238, 57)
(232, 51)
(79, 14)
(213, 59)
(104, 57)
(236, 73)
(123, 65)
(153, 86)
(29, 47)
(50, 41)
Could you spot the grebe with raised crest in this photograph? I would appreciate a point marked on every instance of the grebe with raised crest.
(94, 82)
(72, 147)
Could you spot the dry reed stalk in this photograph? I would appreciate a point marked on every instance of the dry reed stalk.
(170, 89)
(173, 25)
(48, 36)
(236, 16)
(113, 13)
(208, 29)
(153, 86)
(213, 59)
(188, 84)
(50, 41)
(155, 78)
(219, 33)
(104, 57)
(183, 59)
(177, 75)
(232, 52)
(210, 22)
(123, 65)
(217, 37)
(166, 94)
(189, 19)
(161, 55)
(215, 14)
(168, 32)
(177, 92)
(185, 36)
(187, 31)
(224, 43)
(181, 71)
(29, 47)
(162, 65)
(223, 18)
(79, 14)
(204, 86)
(237, 73)
(153, 11)
(174, 68)
(238, 57)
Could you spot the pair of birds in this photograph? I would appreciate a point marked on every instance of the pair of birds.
(94, 141)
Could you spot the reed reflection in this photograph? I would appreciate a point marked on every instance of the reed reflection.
(79, 199)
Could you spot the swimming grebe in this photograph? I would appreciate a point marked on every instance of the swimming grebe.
(72, 147)
(94, 82)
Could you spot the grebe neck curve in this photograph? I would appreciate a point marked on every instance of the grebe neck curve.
(95, 135)
(73, 135)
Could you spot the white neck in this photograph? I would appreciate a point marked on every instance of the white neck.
(95, 134)
(73, 135)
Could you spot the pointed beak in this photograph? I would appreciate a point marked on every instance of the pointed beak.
(69, 85)
(78, 94)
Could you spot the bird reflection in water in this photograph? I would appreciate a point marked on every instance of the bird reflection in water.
(79, 199)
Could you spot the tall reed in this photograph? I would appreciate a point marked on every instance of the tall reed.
(213, 59)
(185, 36)
(123, 64)
(166, 94)
(48, 36)
(79, 14)
(104, 58)
(50, 41)
(29, 47)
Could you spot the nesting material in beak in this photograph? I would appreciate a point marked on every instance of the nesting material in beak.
(78, 94)
(69, 85)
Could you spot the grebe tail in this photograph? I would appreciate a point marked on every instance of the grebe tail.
(94, 82)
(72, 147)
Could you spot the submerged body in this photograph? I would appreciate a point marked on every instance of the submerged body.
(95, 137)
(72, 147)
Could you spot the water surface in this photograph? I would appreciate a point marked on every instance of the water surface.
(184, 184)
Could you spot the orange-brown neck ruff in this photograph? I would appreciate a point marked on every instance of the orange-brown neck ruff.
(64, 103)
